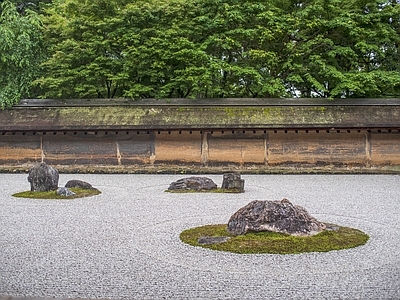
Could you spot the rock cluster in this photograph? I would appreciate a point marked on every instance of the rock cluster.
(277, 216)
(44, 178)
(231, 181)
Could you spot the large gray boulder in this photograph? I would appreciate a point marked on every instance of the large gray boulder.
(193, 183)
(43, 178)
(277, 216)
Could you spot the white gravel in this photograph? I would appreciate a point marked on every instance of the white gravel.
(124, 243)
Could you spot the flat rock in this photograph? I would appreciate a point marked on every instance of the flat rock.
(332, 227)
(79, 184)
(193, 183)
(211, 240)
(276, 216)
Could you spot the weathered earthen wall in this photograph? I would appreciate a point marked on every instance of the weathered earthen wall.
(260, 151)
(203, 135)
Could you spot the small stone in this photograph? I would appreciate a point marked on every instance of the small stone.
(193, 183)
(211, 240)
(332, 227)
(63, 191)
(43, 178)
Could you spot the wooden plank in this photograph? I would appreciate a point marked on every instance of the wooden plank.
(209, 102)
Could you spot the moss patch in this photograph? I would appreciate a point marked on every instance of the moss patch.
(79, 193)
(217, 190)
(276, 243)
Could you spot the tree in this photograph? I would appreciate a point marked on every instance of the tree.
(20, 53)
(86, 57)
(222, 48)
(345, 49)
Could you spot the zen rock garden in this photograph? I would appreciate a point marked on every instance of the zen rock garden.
(274, 216)
(44, 178)
(282, 217)
(265, 226)
(275, 227)
(282, 226)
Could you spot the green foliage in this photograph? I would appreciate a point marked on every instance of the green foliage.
(346, 49)
(86, 59)
(20, 53)
(215, 48)
(23, 5)
(276, 243)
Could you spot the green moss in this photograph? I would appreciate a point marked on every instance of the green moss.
(318, 109)
(231, 111)
(217, 190)
(144, 116)
(104, 115)
(79, 193)
(276, 243)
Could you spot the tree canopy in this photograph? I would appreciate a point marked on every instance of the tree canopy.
(217, 48)
(21, 53)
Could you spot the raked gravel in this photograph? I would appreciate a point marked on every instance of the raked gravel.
(124, 243)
